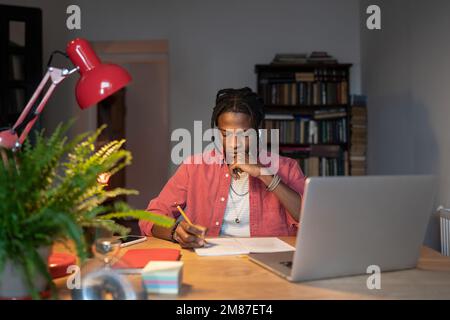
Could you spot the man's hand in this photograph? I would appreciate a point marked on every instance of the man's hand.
(245, 165)
(189, 236)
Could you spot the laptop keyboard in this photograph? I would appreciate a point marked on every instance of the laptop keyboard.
(287, 264)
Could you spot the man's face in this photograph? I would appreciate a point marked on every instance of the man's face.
(233, 126)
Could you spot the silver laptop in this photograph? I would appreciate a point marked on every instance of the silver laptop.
(350, 223)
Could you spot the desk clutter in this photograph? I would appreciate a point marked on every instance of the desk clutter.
(160, 269)
(162, 272)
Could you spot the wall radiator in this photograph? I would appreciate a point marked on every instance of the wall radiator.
(444, 217)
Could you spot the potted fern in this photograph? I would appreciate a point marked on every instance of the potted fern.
(49, 192)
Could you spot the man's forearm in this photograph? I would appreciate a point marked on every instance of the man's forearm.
(290, 199)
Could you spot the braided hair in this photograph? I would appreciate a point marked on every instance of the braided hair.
(239, 100)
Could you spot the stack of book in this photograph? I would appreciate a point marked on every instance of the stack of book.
(321, 57)
(290, 58)
(163, 277)
(302, 58)
(322, 86)
(358, 127)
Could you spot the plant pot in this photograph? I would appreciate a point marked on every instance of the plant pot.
(12, 279)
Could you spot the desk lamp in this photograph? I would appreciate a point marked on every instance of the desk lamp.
(97, 81)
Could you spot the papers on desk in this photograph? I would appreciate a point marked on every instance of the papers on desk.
(236, 246)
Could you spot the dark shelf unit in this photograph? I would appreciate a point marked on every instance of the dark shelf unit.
(264, 73)
(20, 61)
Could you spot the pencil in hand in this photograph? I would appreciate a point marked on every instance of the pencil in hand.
(184, 215)
(186, 218)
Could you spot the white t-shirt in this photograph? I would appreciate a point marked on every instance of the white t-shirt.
(237, 209)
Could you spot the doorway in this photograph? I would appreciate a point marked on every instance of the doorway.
(140, 114)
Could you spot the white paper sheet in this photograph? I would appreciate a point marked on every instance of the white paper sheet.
(236, 246)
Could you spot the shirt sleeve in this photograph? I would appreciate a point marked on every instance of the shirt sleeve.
(296, 181)
(174, 193)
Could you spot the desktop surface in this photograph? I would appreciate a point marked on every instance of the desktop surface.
(236, 277)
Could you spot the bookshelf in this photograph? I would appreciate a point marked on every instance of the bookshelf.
(310, 105)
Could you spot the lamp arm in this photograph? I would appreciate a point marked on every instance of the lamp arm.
(56, 75)
(30, 103)
(38, 111)
(39, 89)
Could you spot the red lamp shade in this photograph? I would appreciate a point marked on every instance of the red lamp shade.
(98, 80)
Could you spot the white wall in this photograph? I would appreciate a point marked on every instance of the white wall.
(405, 73)
(147, 131)
(215, 44)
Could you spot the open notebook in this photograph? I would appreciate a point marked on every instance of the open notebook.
(236, 246)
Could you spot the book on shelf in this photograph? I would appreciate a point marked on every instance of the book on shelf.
(357, 160)
(318, 160)
(323, 86)
(306, 130)
(357, 152)
(304, 76)
(274, 116)
(322, 166)
(325, 151)
(329, 113)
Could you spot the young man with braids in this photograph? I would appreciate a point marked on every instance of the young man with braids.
(230, 197)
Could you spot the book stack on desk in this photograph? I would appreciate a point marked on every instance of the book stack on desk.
(163, 277)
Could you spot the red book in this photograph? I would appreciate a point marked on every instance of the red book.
(134, 260)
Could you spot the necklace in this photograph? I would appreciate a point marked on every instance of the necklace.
(243, 184)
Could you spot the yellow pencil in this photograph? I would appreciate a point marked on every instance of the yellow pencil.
(184, 215)
(188, 220)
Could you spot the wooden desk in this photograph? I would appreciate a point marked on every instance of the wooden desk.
(236, 277)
